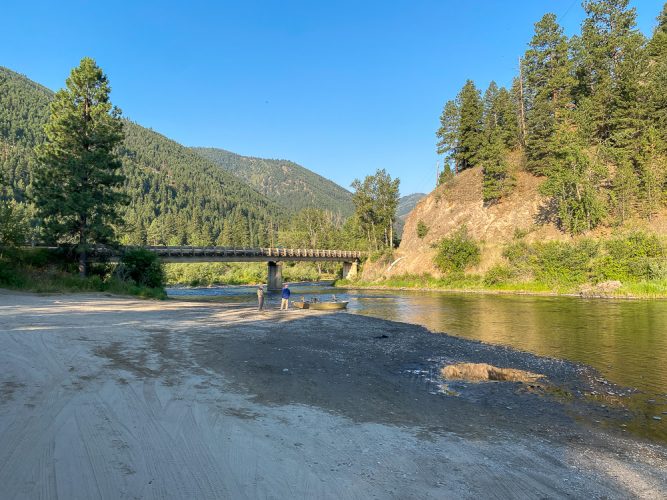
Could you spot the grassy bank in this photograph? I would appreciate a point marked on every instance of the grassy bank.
(475, 283)
(52, 272)
(630, 265)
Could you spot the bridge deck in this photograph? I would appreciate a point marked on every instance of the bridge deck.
(227, 254)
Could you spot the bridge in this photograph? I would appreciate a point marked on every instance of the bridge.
(274, 257)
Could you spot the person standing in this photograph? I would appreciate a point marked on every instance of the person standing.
(260, 297)
(284, 303)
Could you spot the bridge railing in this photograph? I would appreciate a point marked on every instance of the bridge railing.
(278, 252)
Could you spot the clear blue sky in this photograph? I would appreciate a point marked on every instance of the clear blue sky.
(341, 87)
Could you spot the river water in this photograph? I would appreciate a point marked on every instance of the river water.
(625, 340)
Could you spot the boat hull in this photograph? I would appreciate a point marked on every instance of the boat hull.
(321, 306)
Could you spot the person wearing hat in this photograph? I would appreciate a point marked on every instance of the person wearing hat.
(284, 302)
(260, 297)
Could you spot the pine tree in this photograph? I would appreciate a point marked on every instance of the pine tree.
(548, 85)
(652, 166)
(76, 185)
(609, 59)
(656, 90)
(448, 133)
(470, 131)
(497, 180)
(500, 134)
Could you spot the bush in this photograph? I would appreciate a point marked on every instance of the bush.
(422, 229)
(457, 253)
(561, 263)
(143, 267)
(638, 256)
(385, 255)
(498, 275)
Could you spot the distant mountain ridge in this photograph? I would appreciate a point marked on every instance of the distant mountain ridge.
(283, 181)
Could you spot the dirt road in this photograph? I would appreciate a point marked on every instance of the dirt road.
(105, 397)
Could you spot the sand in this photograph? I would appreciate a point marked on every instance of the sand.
(107, 397)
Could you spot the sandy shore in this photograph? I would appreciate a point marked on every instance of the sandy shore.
(106, 397)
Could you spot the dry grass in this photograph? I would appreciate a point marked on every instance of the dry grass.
(480, 372)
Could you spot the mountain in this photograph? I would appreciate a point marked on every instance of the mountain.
(283, 181)
(176, 196)
(405, 206)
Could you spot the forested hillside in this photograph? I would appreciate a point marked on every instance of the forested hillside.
(284, 182)
(557, 183)
(176, 196)
(586, 114)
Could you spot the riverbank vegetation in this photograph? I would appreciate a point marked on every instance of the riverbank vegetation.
(632, 264)
(44, 271)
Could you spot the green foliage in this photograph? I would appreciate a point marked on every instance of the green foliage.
(384, 255)
(460, 136)
(14, 223)
(445, 175)
(573, 186)
(562, 263)
(142, 267)
(75, 188)
(284, 182)
(375, 201)
(422, 229)
(457, 253)
(49, 271)
(548, 87)
(637, 256)
(499, 274)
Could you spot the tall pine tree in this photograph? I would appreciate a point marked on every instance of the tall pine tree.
(548, 77)
(76, 185)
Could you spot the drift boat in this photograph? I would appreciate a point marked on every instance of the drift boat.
(320, 306)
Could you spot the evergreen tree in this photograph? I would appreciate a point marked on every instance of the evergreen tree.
(497, 180)
(573, 184)
(76, 185)
(470, 131)
(656, 90)
(500, 134)
(652, 166)
(548, 85)
(609, 59)
(446, 174)
(448, 133)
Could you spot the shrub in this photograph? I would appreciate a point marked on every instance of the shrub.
(557, 262)
(498, 274)
(143, 267)
(422, 229)
(520, 256)
(457, 253)
(638, 256)
(385, 255)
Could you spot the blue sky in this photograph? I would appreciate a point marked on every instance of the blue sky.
(341, 87)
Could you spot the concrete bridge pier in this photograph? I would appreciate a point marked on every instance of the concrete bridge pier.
(350, 269)
(275, 281)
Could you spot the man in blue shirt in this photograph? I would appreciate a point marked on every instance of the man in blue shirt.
(284, 303)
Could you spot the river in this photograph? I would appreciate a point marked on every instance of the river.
(625, 340)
